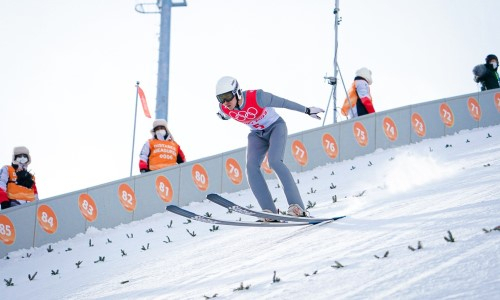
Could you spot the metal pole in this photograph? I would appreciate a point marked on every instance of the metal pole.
(164, 7)
(161, 111)
(335, 67)
(135, 119)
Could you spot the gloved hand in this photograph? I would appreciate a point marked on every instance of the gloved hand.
(314, 111)
(223, 116)
(143, 166)
(24, 178)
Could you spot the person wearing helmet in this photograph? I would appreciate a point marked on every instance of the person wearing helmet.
(359, 100)
(161, 150)
(17, 185)
(487, 74)
(268, 134)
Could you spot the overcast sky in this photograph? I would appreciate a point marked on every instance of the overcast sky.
(69, 69)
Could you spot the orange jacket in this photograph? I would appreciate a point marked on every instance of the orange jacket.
(162, 154)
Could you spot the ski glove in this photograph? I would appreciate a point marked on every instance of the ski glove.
(313, 112)
(223, 116)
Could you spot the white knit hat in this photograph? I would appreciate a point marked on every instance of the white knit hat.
(21, 150)
(160, 122)
(366, 74)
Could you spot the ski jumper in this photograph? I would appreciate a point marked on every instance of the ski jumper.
(268, 133)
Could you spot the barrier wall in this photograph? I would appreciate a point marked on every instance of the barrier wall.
(138, 197)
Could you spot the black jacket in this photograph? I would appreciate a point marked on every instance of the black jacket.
(487, 76)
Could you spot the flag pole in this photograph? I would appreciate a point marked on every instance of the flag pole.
(135, 119)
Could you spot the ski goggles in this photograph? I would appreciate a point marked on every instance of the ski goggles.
(226, 97)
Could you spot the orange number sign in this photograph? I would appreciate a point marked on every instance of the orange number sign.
(474, 108)
(446, 115)
(200, 177)
(390, 129)
(497, 101)
(418, 124)
(127, 197)
(233, 171)
(330, 146)
(7, 231)
(360, 134)
(299, 152)
(87, 207)
(164, 188)
(265, 165)
(47, 218)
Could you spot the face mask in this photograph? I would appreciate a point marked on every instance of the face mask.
(494, 64)
(160, 134)
(22, 160)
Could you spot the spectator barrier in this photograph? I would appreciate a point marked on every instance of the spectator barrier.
(138, 197)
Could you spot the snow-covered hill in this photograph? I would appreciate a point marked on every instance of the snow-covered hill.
(440, 197)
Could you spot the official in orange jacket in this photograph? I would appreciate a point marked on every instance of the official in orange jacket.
(17, 185)
(359, 100)
(161, 151)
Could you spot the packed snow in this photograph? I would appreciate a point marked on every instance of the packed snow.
(420, 224)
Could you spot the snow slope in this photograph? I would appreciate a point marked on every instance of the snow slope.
(393, 198)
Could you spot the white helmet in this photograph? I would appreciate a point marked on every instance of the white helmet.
(228, 84)
(366, 74)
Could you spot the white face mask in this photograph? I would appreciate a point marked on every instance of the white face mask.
(22, 160)
(160, 134)
(494, 64)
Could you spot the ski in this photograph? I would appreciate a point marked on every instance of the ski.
(191, 215)
(218, 199)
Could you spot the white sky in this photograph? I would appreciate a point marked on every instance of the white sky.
(409, 194)
(69, 69)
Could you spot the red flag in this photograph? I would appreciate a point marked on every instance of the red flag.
(143, 101)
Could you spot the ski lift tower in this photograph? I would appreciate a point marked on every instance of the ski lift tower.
(164, 8)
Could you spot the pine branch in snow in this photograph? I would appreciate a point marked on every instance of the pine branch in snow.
(334, 198)
(337, 265)
(145, 248)
(214, 228)
(241, 288)
(332, 186)
(312, 191)
(187, 221)
(101, 258)
(69, 249)
(314, 273)
(370, 163)
(131, 236)
(54, 272)
(208, 215)
(170, 225)
(191, 234)
(168, 240)
(149, 230)
(31, 277)
(276, 278)
(109, 241)
(208, 297)
(450, 237)
(123, 252)
(385, 255)
(419, 246)
(90, 243)
(49, 249)
(310, 204)
(8, 282)
(78, 264)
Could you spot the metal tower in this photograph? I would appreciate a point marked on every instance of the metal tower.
(163, 7)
